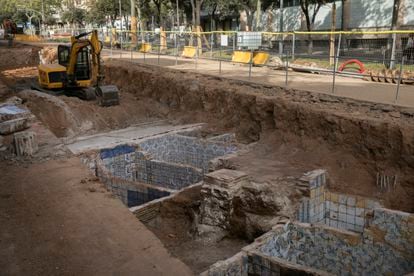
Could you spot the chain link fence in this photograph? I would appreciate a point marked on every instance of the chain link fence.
(333, 61)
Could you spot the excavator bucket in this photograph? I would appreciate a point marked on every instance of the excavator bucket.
(108, 95)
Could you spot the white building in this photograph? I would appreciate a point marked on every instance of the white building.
(352, 15)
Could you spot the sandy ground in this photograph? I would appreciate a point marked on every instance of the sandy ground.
(344, 86)
(57, 220)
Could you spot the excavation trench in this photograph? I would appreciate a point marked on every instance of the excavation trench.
(264, 156)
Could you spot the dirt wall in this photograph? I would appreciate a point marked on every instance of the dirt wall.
(380, 136)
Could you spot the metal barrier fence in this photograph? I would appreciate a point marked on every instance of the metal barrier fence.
(380, 56)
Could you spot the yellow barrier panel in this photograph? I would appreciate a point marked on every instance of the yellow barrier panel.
(241, 56)
(31, 38)
(189, 51)
(145, 48)
(260, 58)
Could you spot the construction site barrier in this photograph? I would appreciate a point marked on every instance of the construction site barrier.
(241, 57)
(260, 58)
(189, 51)
(361, 68)
(29, 38)
(145, 48)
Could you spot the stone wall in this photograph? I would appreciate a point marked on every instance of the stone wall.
(385, 248)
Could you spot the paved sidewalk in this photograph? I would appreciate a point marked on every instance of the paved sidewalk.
(355, 88)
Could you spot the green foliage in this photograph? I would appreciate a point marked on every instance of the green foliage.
(103, 9)
(15, 9)
(74, 15)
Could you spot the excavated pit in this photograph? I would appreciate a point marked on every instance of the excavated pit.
(329, 165)
(157, 167)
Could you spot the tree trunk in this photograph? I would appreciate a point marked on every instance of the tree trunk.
(133, 24)
(243, 21)
(196, 5)
(258, 15)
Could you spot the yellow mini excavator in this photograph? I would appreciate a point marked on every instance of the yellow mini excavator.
(78, 72)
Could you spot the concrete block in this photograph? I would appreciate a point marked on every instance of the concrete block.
(226, 178)
(25, 144)
(10, 111)
(15, 125)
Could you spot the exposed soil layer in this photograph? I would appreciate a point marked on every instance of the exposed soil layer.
(379, 137)
(18, 56)
(71, 116)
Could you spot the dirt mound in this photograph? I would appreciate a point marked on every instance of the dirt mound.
(11, 58)
(70, 116)
(48, 55)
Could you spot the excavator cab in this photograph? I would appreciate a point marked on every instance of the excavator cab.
(78, 67)
(83, 65)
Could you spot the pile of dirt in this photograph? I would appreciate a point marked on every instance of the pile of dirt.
(19, 78)
(48, 55)
(379, 137)
(71, 116)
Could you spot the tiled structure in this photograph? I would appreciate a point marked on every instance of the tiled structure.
(333, 209)
(385, 248)
(158, 166)
(186, 150)
(130, 192)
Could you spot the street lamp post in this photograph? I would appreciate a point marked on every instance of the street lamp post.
(43, 18)
(120, 16)
(281, 29)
